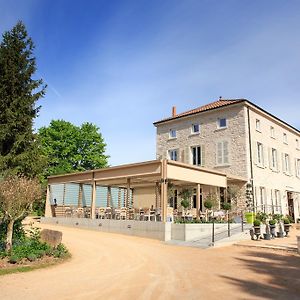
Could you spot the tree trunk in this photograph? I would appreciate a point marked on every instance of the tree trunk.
(9, 235)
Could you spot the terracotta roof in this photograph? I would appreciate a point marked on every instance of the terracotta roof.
(212, 105)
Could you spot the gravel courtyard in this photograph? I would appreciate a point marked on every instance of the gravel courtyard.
(112, 266)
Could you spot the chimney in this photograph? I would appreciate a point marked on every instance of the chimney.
(173, 111)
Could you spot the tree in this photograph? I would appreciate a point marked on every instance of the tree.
(71, 148)
(17, 194)
(19, 93)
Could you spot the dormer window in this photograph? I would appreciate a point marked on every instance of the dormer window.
(172, 134)
(222, 123)
(195, 128)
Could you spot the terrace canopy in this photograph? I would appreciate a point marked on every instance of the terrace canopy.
(155, 174)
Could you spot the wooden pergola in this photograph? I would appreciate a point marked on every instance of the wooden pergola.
(149, 173)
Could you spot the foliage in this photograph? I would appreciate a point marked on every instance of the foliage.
(186, 195)
(272, 222)
(185, 203)
(233, 193)
(277, 217)
(262, 217)
(226, 206)
(286, 221)
(208, 204)
(72, 148)
(17, 195)
(291, 220)
(18, 231)
(19, 93)
(256, 222)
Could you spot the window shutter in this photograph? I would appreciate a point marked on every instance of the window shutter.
(187, 155)
(225, 152)
(203, 155)
(296, 169)
(219, 153)
(270, 156)
(254, 152)
(283, 162)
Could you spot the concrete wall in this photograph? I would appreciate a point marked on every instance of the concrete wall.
(154, 230)
(188, 232)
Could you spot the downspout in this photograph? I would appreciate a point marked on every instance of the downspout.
(251, 160)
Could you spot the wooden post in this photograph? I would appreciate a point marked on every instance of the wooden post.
(164, 191)
(198, 200)
(93, 200)
(48, 210)
(108, 200)
(127, 193)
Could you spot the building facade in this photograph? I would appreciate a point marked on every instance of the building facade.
(240, 139)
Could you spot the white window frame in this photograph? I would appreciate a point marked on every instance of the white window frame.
(260, 153)
(285, 139)
(219, 123)
(262, 196)
(193, 128)
(198, 152)
(171, 136)
(274, 159)
(286, 163)
(171, 154)
(222, 153)
(277, 200)
(272, 132)
(257, 125)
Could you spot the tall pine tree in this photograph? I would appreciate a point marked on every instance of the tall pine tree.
(19, 93)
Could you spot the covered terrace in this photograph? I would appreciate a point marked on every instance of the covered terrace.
(130, 192)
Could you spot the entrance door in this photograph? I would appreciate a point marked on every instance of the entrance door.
(291, 205)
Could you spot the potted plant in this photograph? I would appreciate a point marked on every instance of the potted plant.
(256, 226)
(272, 224)
(287, 226)
(267, 234)
(249, 216)
(280, 230)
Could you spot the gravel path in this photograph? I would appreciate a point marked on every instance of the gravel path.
(112, 266)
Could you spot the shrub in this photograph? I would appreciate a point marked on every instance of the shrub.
(226, 206)
(286, 221)
(60, 251)
(14, 259)
(277, 217)
(256, 222)
(290, 218)
(262, 216)
(272, 222)
(32, 257)
(208, 204)
(185, 203)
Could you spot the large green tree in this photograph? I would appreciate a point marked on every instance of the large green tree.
(19, 93)
(72, 148)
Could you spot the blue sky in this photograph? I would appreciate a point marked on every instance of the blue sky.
(123, 64)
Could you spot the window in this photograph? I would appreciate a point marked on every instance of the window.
(272, 132)
(222, 123)
(196, 155)
(222, 153)
(172, 134)
(195, 128)
(297, 144)
(262, 197)
(277, 200)
(274, 163)
(285, 138)
(257, 125)
(286, 163)
(260, 153)
(297, 167)
(173, 154)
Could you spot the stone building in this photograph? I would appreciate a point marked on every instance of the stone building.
(238, 138)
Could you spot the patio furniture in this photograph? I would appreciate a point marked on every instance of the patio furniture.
(87, 212)
(108, 213)
(170, 214)
(68, 212)
(80, 212)
(101, 212)
(116, 213)
(123, 213)
(131, 213)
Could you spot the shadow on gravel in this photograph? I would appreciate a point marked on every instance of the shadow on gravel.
(283, 272)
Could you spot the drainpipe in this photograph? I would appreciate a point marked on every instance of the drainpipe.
(251, 160)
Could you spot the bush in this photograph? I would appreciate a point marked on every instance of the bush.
(14, 259)
(272, 222)
(286, 221)
(290, 218)
(32, 257)
(208, 204)
(60, 251)
(226, 206)
(256, 222)
(261, 216)
(185, 203)
(277, 217)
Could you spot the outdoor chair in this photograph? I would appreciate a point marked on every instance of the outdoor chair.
(157, 214)
(68, 212)
(131, 213)
(117, 213)
(108, 213)
(87, 212)
(101, 212)
(80, 212)
(123, 213)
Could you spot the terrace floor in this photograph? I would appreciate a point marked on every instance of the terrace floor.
(112, 266)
